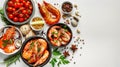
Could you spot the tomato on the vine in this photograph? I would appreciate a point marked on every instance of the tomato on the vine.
(10, 3)
(21, 19)
(15, 19)
(21, 15)
(24, 12)
(10, 16)
(9, 9)
(30, 7)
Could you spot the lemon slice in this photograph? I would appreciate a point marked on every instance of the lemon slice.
(38, 23)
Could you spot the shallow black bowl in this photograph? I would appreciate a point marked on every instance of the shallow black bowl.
(48, 48)
(18, 23)
(62, 25)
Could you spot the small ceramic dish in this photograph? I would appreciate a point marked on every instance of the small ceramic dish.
(67, 7)
(37, 23)
(16, 40)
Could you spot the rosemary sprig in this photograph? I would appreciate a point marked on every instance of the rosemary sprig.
(12, 59)
(3, 17)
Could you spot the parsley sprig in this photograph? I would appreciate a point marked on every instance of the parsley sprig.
(58, 58)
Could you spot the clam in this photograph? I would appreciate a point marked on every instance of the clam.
(74, 23)
(18, 43)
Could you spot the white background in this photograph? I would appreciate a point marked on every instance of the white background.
(100, 27)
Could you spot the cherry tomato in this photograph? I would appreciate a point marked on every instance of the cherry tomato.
(26, 5)
(17, 1)
(15, 14)
(21, 19)
(30, 7)
(15, 19)
(18, 5)
(10, 3)
(25, 18)
(13, 9)
(21, 4)
(21, 15)
(24, 11)
(15, 5)
(10, 16)
(28, 2)
(9, 9)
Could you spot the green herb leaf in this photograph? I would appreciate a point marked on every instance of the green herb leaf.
(65, 61)
(62, 57)
(56, 52)
(65, 27)
(53, 61)
(31, 45)
(59, 63)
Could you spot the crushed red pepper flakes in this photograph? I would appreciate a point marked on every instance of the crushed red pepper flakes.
(73, 48)
(66, 53)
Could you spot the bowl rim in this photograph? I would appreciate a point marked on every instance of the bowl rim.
(65, 11)
(32, 26)
(18, 23)
(49, 49)
(68, 29)
(14, 52)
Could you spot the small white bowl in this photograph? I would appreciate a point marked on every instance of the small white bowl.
(21, 37)
(31, 21)
(65, 12)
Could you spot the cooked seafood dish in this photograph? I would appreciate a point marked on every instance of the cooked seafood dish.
(36, 51)
(50, 13)
(59, 34)
(10, 39)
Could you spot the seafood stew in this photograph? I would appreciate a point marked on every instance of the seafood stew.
(59, 35)
(10, 40)
(36, 51)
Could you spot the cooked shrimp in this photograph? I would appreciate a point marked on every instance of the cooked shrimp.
(27, 54)
(65, 36)
(55, 42)
(54, 32)
(48, 11)
(32, 59)
(43, 47)
(62, 42)
(43, 58)
(9, 33)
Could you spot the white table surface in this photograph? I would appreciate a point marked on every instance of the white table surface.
(100, 27)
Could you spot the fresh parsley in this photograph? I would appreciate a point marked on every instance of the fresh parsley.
(58, 58)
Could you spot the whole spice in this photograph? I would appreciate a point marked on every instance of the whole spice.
(66, 53)
(73, 48)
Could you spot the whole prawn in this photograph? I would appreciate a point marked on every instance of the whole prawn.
(48, 11)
